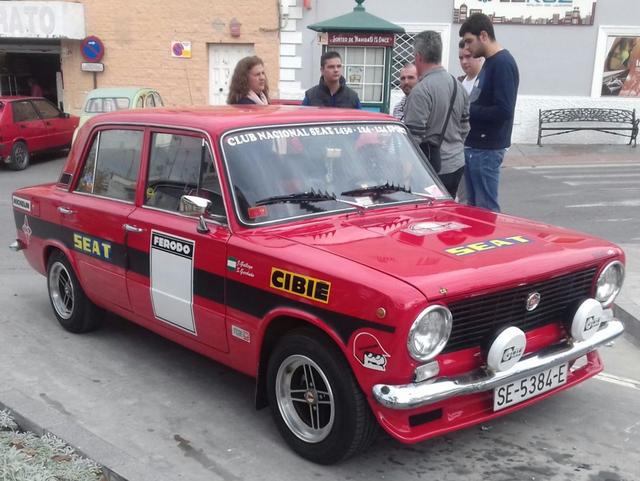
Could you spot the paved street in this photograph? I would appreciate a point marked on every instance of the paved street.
(155, 411)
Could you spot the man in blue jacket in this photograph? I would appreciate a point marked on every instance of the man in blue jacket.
(493, 103)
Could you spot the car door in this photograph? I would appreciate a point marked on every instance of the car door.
(177, 271)
(57, 128)
(29, 125)
(96, 209)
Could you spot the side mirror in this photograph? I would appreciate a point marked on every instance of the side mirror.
(193, 205)
(64, 115)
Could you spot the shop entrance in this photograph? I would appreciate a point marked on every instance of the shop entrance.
(26, 65)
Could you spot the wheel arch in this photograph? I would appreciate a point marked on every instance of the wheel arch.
(276, 327)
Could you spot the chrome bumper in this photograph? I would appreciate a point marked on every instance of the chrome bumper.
(16, 245)
(410, 396)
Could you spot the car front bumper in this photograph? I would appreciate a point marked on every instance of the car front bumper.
(416, 395)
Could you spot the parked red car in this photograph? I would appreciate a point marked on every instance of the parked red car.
(30, 125)
(316, 250)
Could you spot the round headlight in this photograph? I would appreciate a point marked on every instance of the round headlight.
(429, 333)
(609, 283)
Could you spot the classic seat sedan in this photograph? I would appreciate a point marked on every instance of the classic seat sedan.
(31, 125)
(315, 250)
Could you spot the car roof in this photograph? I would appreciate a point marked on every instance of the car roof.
(115, 92)
(219, 119)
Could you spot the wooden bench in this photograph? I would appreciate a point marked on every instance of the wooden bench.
(611, 121)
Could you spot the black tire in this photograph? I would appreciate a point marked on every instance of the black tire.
(19, 159)
(350, 429)
(73, 309)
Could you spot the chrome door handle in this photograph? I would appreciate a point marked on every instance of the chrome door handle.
(132, 228)
(65, 210)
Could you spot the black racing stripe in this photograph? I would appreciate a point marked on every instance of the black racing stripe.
(208, 285)
(258, 302)
(139, 262)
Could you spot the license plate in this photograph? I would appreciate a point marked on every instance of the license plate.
(518, 391)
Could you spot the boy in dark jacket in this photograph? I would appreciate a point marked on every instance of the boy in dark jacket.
(332, 90)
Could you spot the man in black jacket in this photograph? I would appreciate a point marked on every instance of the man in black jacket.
(332, 90)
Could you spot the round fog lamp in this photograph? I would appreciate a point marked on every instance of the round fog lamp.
(609, 283)
(506, 349)
(429, 333)
(586, 320)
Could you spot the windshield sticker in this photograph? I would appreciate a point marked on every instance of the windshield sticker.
(434, 191)
(369, 352)
(20, 203)
(299, 285)
(298, 132)
(255, 212)
(426, 228)
(488, 245)
(240, 267)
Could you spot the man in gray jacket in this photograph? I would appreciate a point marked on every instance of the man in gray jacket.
(428, 105)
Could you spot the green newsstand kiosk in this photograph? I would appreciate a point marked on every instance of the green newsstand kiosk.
(365, 43)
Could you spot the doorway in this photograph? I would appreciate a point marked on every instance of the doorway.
(222, 61)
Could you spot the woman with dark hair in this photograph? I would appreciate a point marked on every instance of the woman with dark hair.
(249, 83)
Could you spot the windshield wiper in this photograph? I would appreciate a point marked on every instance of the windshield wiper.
(386, 188)
(297, 198)
(381, 189)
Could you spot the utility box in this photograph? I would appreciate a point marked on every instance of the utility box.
(365, 43)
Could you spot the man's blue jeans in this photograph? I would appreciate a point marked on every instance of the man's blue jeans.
(482, 174)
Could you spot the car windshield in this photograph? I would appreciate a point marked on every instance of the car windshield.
(297, 171)
(101, 105)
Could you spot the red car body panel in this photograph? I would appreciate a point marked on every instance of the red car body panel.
(373, 263)
(40, 134)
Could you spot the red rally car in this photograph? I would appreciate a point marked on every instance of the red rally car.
(316, 251)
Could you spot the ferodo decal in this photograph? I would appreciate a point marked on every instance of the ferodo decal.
(94, 247)
(171, 271)
(303, 286)
(488, 245)
(20, 203)
(369, 352)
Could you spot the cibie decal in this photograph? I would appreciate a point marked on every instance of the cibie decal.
(488, 245)
(369, 352)
(20, 203)
(240, 267)
(91, 246)
(303, 286)
(171, 270)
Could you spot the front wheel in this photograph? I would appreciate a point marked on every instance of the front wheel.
(315, 400)
(19, 159)
(74, 311)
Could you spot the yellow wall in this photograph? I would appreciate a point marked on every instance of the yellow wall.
(137, 35)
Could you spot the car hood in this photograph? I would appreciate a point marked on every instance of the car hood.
(453, 249)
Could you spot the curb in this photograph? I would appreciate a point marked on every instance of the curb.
(40, 419)
(631, 324)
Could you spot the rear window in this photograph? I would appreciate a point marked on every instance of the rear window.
(106, 104)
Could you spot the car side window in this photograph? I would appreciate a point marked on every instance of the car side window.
(112, 165)
(46, 109)
(149, 101)
(24, 112)
(139, 102)
(158, 99)
(181, 165)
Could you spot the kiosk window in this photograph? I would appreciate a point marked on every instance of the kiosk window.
(364, 71)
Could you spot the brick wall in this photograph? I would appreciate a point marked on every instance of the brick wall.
(137, 36)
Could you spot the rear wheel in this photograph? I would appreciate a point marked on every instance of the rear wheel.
(74, 311)
(315, 400)
(19, 159)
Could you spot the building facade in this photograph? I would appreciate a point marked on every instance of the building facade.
(577, 58)
(185, 50)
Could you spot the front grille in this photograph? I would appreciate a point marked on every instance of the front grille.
(475, 319)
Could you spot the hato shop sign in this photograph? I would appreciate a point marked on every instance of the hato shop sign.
(528, 12)
(20, 19)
